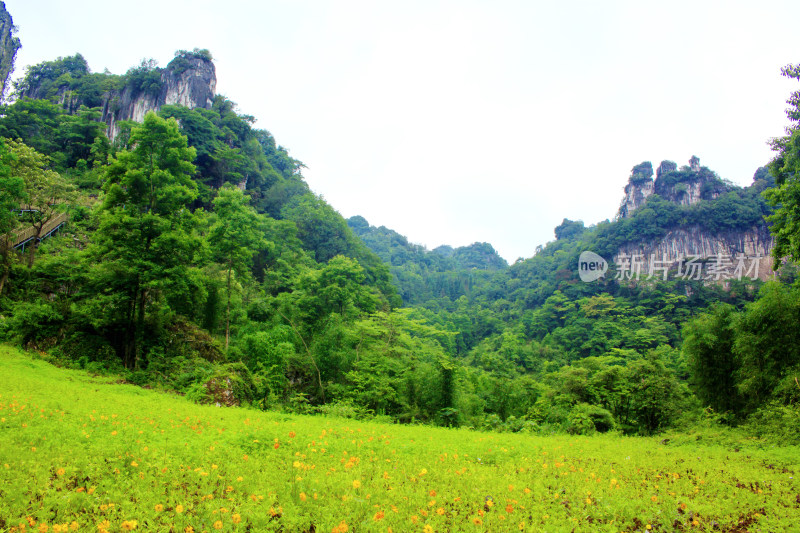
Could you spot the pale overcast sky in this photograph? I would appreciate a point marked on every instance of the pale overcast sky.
(456, 122)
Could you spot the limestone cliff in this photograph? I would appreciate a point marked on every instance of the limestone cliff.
(9, 45)
(188, 80)
(686, 186)
(690, 186)
(755, 244)
(190, 83)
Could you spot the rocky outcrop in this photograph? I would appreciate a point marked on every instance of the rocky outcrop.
(686, 186)
(9, 45)
(748, 246)
(190, 83)
(189, 80)
(754, 245)
(636, 193)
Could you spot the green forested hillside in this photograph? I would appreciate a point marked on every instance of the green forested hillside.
(197, 259)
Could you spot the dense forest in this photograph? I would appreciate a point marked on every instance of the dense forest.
(196, 259)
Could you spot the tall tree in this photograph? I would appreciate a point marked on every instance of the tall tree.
(12, 187)
(785, 196)
(236, 235)
(144, 238)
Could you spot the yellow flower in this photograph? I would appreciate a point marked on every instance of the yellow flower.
(236, 518)
(60, 472)
(159, 508)
(129, 525)
(477, 521)
(303, 496)
(428, 528)
(74, 526)
(440, 511)
(356, 484)
(218, 524)
(179, 508)
(43, 528)
(188, 529)
(654, 498)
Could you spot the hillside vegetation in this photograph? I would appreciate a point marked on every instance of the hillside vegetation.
(197, 260)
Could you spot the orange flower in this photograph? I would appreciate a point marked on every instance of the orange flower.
(236, 518)
(440, 511)
(159, 508)
(60, 472)
(179, 508)
(432, 493)
(218, 524)
(292, 434)
(477, 521)
(378, 516)
(509, 509)
(303, 496)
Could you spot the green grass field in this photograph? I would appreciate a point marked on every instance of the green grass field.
(81, 453)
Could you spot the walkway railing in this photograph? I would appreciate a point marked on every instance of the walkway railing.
(22, 236)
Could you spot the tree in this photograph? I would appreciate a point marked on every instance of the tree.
(235, 236)
(785, 196)
(708, 344)
(12, 187)
(143, 240)
(46, 194)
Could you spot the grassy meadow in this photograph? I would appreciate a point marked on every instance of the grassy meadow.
(83, 453)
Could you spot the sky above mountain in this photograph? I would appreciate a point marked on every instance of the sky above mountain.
(456, 122)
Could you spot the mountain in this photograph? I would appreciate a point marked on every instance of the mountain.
(9, 45)
(189, 80)
(691, 212)
(421, 274)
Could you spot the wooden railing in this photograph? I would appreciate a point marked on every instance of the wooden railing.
(21, 236)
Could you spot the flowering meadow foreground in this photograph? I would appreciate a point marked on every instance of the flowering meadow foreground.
(80, 453)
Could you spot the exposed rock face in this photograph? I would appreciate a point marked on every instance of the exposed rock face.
(755, 244)
(640, 186)
(9, 45)
(190, 86)
(665, 167)
(686, 186)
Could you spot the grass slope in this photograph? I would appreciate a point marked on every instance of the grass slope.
(80, 453)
